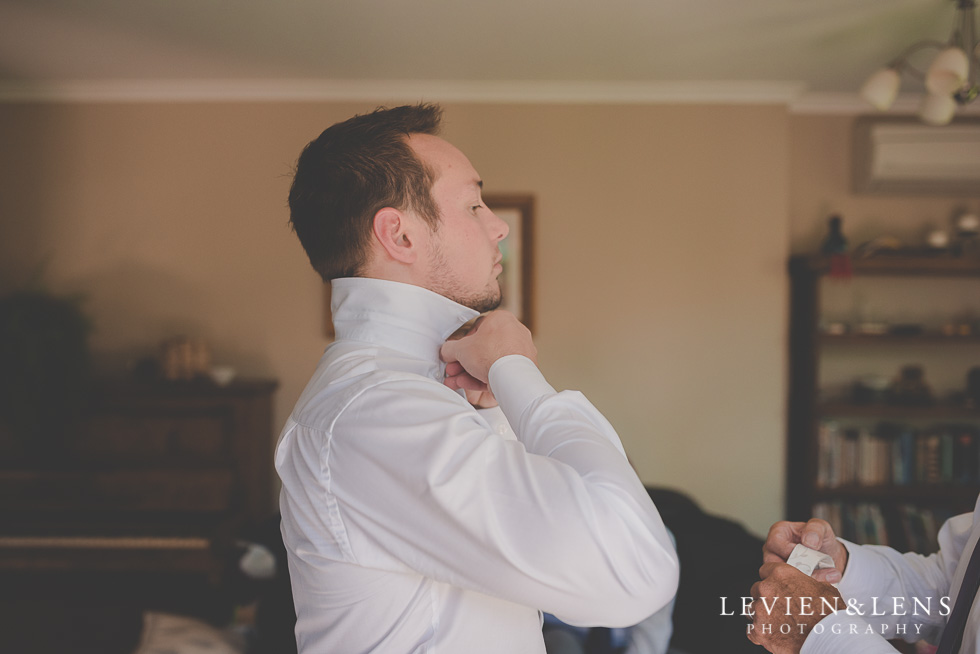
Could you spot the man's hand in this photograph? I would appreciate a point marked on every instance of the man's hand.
(481, 399)
(817, 535)
(479, 394)
(495, 335)
(788, 604)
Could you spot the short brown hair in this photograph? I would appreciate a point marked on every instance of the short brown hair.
(350, 172)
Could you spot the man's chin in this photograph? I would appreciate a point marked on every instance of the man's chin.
(484, 304)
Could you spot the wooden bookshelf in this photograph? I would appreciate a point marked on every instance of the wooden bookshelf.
(806, 490)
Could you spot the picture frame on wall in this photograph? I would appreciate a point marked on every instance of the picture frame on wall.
(517, 279)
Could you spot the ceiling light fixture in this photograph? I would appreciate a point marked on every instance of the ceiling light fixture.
(951, 79)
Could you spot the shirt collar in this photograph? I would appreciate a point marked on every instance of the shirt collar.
(404, 317)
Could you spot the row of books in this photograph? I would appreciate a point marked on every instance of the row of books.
(897, 454)
(906, 527)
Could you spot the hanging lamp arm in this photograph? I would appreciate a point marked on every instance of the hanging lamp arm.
(965, 38)
(901, 62)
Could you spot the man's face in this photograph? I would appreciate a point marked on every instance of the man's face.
(462, 256)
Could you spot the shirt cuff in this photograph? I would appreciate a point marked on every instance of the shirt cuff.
(863, 571)
(516, 383)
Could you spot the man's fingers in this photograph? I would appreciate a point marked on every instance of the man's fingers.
(448, 351)
(768, 568)
(827, 575)
(465, 381)
(782, 538)
(815, 532)
(769, 556)
(454, 368)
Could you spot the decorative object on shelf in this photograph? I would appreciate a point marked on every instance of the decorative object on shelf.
(222, 375)
(871, 389)
(836, 328)
(183, 358)
(872, 328)
(958, 328)
(835, 246)
(937, 240)
(967, 234)
(45, 367)
(910, 387)
(951, 79)
(879, 245)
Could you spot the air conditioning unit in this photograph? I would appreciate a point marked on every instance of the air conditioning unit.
(902, 155)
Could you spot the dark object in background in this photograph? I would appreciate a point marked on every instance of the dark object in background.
(906, 329)
(275, 615)
(910, 388)
(706, 577)
(973, 387)
(45, 368)
(835, 246)
(31, 624)
(870, 389)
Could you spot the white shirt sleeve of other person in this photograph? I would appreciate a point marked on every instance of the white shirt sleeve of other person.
(875, 575)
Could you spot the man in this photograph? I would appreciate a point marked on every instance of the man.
(882, 594)
(413, 521)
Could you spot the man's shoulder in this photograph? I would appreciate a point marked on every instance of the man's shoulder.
(340, 382)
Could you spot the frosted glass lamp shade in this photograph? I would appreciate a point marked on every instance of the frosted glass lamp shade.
(937, 109)
(881, 88)
(948, 72)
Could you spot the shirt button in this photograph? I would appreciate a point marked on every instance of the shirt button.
(502, 429)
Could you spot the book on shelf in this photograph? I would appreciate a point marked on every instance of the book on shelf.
(862, 522)
(909, 527)
(889, 454)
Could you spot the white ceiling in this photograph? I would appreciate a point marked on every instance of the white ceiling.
(781, 47)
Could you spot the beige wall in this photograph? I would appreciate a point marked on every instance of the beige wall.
(661, 243)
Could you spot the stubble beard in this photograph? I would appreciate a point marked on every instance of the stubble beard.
(444, 283)
(481, 304)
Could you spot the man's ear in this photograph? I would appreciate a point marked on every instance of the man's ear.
(395, 234)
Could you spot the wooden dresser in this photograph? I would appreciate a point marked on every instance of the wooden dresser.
(140, 505)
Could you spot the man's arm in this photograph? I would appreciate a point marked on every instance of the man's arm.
(874, 579)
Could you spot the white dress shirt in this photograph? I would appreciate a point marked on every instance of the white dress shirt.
(881, 572)
(415, 523)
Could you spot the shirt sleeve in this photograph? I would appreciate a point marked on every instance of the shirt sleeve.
(840, 633)
(557, 519)
(893, 595)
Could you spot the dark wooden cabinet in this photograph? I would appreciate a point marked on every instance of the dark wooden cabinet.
(141, 503)
(866, 456)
